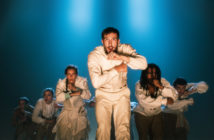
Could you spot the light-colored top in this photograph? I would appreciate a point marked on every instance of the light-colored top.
(73, 117)
(43, 110)
(80, 82)
(199, 87)
(179, 106)
(101, 70)
(149, 106)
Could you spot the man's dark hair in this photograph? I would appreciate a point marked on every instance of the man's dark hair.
(110, 30)
(143, 78)
(51, 90)
(179, 81)
(71, 67)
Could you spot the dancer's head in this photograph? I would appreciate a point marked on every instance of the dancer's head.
(110, 39)
(180, 85)
(48, 94)
(149, 74)
(23, 101)
(71, 73)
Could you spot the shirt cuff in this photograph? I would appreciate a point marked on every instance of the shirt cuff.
(67, 96)
(164, 101)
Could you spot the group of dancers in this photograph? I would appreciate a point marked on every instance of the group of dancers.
(158, 113)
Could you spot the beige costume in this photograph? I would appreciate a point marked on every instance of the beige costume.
(72, 123)
(112, 94)
(148, 112)
(41, 113)
(149, 106)
(179, 106)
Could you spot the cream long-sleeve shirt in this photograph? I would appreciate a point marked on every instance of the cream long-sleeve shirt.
(179, 106)
(199, 87)
(80, 82)
(43, 109)
(149, 106)
(73, 117)
(101, 70)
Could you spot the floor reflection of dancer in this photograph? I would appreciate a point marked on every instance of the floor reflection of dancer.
(107, 67)
(178, 130)
(151, 92)
(72, 123)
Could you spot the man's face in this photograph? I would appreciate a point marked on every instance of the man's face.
(71, 76)
(180, 89)
(48, 97)
(110, 42)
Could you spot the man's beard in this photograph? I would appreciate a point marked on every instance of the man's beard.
(115, 51)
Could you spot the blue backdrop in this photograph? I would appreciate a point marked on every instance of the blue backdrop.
(39, 38)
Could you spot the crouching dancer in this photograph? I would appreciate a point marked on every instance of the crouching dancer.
(181, 126)
(152, 91)
(72, 123)
(44, 115)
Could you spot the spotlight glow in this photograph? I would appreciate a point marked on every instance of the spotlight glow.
(139, 14)
(81, 13)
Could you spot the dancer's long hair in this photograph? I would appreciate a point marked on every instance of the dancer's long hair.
(144, 80)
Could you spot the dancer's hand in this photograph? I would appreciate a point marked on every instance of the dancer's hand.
(91, 103)
(193, 89)
(115, 56)
(169, 101)
(50, 121)
(121, 68)
(71, 87)
(75, 93)
(157, 84)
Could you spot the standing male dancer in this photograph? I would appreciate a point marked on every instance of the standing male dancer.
(107, 66)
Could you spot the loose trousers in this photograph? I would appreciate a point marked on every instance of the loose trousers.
(115, 104)
(149, 126)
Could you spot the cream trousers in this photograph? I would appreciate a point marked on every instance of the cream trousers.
(115, 104)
